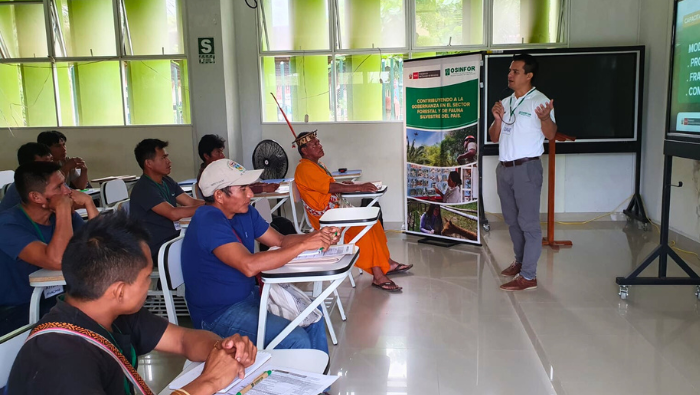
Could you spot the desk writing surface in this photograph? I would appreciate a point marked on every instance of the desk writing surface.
(350, 214)
(271, 195)
(187, 182)
(278, 181)
(45, 275)
(311, 269)
(356, 172)
(379, 191)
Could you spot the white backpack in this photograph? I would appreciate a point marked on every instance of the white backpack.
(288, 301)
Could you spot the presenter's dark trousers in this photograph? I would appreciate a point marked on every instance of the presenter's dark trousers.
(519, 189)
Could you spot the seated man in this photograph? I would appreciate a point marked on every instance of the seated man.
(320, 193)
(34, 235)
(73, 169)
(155, 196)
(30, 152)
(211, 148)
(219, 266)
(107, 267)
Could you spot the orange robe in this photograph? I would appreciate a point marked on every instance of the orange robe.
(314, 183)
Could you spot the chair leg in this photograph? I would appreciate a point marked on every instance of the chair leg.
(352, 280)
(329, 324)
(340, 306)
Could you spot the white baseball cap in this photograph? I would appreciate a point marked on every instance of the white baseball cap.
(225, 173)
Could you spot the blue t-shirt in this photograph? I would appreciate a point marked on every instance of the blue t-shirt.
(212, 286)
(17, 233)
(10, 199)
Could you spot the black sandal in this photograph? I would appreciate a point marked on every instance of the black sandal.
(387, 286)
(400, 268)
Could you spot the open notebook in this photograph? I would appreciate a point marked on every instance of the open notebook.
(195, 372)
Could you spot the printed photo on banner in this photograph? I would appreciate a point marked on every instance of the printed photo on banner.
(442, 148)
(447, 185)
(460, 221)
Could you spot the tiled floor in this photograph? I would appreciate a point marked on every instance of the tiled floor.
(452, 331)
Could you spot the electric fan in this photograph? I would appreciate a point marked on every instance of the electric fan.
(270, 156)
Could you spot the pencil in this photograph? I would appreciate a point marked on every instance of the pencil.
(255, 382)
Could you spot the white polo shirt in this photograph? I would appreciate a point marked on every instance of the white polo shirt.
(524, 138)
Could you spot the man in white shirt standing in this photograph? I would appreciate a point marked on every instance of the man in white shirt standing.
(522, 122)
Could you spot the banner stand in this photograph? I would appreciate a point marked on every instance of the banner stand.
(439, 242)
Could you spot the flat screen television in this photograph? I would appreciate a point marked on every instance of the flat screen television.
(596, 93)
(683, 115)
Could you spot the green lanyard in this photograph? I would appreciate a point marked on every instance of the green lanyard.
(510, 103)
(163, 189)
(36, 227)
(324, 169)
(127, 389)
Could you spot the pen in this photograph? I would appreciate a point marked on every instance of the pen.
(255, 382)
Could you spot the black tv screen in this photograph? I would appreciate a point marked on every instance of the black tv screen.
(684, 95)
(595, 92)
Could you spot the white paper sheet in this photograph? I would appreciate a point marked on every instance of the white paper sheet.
(284, 381)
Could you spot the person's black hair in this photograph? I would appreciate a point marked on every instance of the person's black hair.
(33, 177)
(50, 137)
(209, 143)
(146, 149)
(531, 65)
(300, 146)
(210, 199)
(454, 176)
(27, 152)
(108, 249)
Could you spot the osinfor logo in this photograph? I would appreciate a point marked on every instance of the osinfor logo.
(456, 71)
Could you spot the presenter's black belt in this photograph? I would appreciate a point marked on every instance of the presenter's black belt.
(518, 162)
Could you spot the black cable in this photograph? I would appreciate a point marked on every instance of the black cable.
(251, 6)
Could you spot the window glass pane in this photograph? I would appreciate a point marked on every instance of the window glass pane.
(300, 84)
(527, 21)
(27, 95)
(90, 93)
(155, 92)
(449, 22)
(369, 87)
(22, 31)
(294, 25)
(153, 27)
(84, 28)
(372, 23)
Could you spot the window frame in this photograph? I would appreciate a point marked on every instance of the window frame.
(121, 56)
(410, 48)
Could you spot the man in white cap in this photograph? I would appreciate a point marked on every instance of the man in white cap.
(219, 266)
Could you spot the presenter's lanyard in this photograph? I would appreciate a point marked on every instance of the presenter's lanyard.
(163, 189)
(36, 227)
(127, 388)
(510, 104)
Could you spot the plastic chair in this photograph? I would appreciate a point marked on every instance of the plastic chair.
(112, 192)
(171, 279)
(196, 192)
(122, 205)
(10, 345)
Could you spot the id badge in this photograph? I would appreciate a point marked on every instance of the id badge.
(177, 225)
(507, 129)
(53, 291)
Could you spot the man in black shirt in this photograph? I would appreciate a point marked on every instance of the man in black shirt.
(107, 268)
(155, 197)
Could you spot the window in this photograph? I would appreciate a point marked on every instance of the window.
(527, 21)
(92, 73)
(342, 60)
(443, 23)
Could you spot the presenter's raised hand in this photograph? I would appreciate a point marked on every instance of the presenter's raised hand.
(498, 111)
(543, 110)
